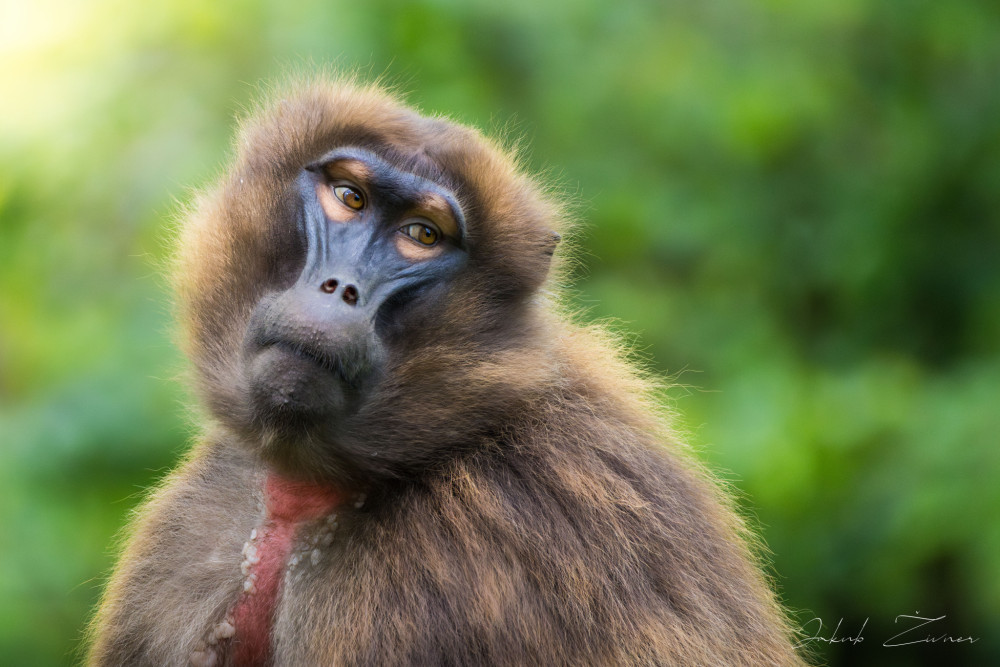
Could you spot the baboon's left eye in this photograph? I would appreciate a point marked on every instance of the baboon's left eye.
(423, 234)
(349, 196)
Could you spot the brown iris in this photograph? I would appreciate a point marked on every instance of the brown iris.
(423, 234)
(351, 197)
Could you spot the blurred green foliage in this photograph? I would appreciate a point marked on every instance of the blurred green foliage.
(792, 207)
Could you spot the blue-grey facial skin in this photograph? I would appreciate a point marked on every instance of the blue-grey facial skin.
(313, 350)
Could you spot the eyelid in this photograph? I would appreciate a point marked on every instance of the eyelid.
(344, 183)
(423, 222)
(421, 217)
(426, 222)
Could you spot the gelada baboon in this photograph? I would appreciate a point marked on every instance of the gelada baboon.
(410, 456)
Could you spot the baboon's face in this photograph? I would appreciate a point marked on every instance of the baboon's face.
(359, 292)
(381, 247)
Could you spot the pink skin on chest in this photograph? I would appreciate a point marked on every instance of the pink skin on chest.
(288, 503)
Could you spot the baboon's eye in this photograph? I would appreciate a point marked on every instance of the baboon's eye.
(349, 196)
(421, 233)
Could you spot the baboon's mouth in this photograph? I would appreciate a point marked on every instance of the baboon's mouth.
(318, 357)
(349, 369)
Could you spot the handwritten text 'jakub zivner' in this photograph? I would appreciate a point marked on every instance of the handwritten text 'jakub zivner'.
(915, 629)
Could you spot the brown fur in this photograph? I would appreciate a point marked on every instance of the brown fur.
(527, 504)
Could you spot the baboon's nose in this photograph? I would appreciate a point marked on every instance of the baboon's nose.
(349, 293)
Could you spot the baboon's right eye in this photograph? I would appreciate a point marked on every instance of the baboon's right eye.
(351, 197)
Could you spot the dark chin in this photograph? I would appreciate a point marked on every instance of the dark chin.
(292, 393)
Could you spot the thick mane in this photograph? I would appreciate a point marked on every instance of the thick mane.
(498, 484)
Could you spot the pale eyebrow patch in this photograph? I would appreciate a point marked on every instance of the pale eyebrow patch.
(349, 172)
(437, 208)
(349, 169)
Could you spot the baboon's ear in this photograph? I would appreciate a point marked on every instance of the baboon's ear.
(547, 243)
(551, 241)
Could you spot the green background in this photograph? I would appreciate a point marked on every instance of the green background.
(790, 208)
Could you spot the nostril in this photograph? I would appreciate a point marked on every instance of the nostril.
(329, 286)
(350, 295)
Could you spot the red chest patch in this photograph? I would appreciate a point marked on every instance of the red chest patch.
(288, 504)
